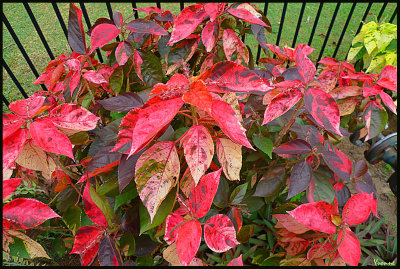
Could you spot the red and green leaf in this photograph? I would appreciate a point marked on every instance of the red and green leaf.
(306, 68)
(219, 233)
(123, 51)
(388, 78)
(375, 119)
(233, 43)
(87, 241)
(91, 209)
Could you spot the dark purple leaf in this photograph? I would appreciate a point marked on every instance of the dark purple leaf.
(146, 27)
(360, 168)
(126, 169)
(253, 104)
(291, 74)
(341, 168)
(97, 22)
(296, 146)
(314, 136)
(76, 34)
(117, 18)
(108, 253)
(270, 183)
(342, 196)
(259, 34)
(144, 245)
(265, 74)
(368, 186)
(123, 102)
(130, 221)
(300, 178)
(166, 16)
(103, 158)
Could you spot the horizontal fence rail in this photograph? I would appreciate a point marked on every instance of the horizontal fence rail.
(298, 24)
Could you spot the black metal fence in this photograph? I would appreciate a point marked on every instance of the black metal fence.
(7, 26)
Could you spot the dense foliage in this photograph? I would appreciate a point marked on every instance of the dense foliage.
(179, 149)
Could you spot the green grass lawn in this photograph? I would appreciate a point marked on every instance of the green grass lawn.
(49, 24)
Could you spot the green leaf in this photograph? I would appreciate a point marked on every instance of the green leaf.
(238, 194)
(17, 248)
(128, 239)
(245, 233)
(151, 68)
(124, 197)
(85, 221)
(59, 247)
(273, 260)
(117, 79)
(109, 186)
(222, 195)
(323, 188)
(102, 204)
(72, 218)
(179, 132)
(378, 119)
(264, 144)
(162, 212)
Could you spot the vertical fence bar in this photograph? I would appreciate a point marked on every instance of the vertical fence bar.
(382, 10)
(38, 30)
(14, 79)
(303, 7)
(364, 17)
(21, 48)
(4, 99)
(329, 32)
(158, 4)
(60, 19)
(393, 16)
(281, 24)
(344, 29)
(315, 23)
(134, 10)
(181, 5)
(86, 16)
(244, 34)
(259, 47)
(110, 13)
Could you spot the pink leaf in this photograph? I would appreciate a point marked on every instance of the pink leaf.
(246, 15)
(387, 99)
(214, 10)
(324, 109)
(306, 68)
(229, 123)
(233, 43)
(202, 195)
(94, 77)
(86, 237)
(321, 250)
(198, 148)
(388, 78)
(291, 224)
(102, 34)
(27, 108)
(280, 104)
(122, 52)
(91, 209)
(236, 262)
(349, 249)
(9, 186)
(186, 22)
(141, 124)
(316, 216)
(170, 223)
(208, 35)
(73, 117)
(11, 124)
(12, 147)
(188, 241)
(219, 233)
(26, 213)
(47, 136)
(358, 208)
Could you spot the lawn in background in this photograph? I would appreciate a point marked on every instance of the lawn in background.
(50, 26)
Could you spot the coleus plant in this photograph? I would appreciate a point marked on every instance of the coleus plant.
(178, 109)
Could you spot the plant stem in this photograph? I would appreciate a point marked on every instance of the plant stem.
(284, 131)
(62, 167)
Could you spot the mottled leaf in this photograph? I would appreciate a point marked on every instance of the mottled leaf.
(102, 34)
(246, 15)
(86, 238)
(73, 117)
(219, 233)
(304, 65)
(358, 208)
(280, 104)
(388, 78)
(349, 249)
(156, 173)
(27, 108)
(188, 241)
(341, 166)
(76, 34)
(232, 43)
(108, 252)
(229, 155)
(214, 10)
(123, 52)
(146, 27)
(375, 119)
(300, 178)
(209, 35)
(170, 227)
(11, 123)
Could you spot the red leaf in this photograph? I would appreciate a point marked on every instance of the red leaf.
(229, 123)
(346, 91)
(27, 108)
(236, 262)
(176, 85)
(199, 96)
(370, 89)
(145, 26)
(141, 124)
(214, 10)
(9, 186)
(207, 63)
(208, 35)
(12, 147)
(186, 22)
(123, 51)
(63, 180)
(246, 15)
(228, 76)
(137, 61)
(321, 250)
(88, 256)
(388, 101)
(324, 109)
(73, 117)
(219, 233)
(349, 249)
(280, 104)
(102, 34)
(306, 68)
(170, 223)
(91, 209)
(26, 213)
(233, 43)
(198, 148)
(86, 238)
(11, 124)
(316, 216)
(295, 146)
(280, 52)
(291, 224)
(202, 195)
(388, 78)
(358, 208)
(94, 77)
(47, 136)
(188, 241)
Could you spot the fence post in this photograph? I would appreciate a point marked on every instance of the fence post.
(344, 29)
